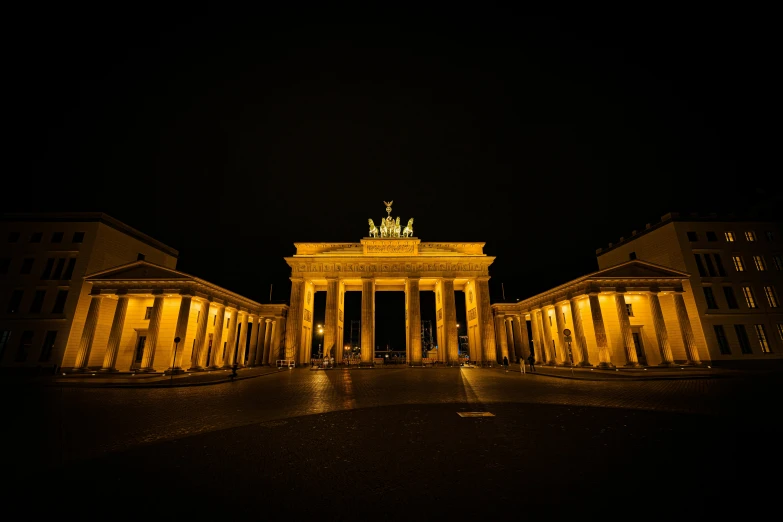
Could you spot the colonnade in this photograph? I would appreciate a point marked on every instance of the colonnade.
(203, 353)
(548, 339)
(298, 350)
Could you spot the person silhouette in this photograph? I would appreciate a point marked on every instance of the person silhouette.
(532, 361)
(505, 363)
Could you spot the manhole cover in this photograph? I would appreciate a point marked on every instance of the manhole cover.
(474, 414)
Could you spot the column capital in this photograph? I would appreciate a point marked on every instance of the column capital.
(330, 278)
(483, 278)
(252, 316)
(296, 279)
(229, 308)
(413, 278)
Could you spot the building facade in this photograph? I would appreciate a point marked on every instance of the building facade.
(146, 318)
(43, 261)
(736, 272)
(630, 315)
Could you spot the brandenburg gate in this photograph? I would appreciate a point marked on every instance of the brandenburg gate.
(391, 258)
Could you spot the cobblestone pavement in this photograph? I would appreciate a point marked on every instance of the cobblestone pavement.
(282, 425)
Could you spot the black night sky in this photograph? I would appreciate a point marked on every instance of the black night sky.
(230, 137)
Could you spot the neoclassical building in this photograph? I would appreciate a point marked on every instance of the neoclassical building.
(391, 259)
(628, 315)
(135, 313)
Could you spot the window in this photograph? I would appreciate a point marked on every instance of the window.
(738, 266)
(772, 296)
(57, 237)
(6, 334)
(778, 261)
(710, 266)
(148, 313)
(723, 343)
(59, 270)
(565, 321)
(719, 264)
(36, 237)
(692, 236)
(780, 332)
(48, 346)
(35, 306)
(770, 235)
(700, 265)
(15, 301)
(4, 264)
(550, 320)
(59, 302)
(24, 346)
(761, 333)
(13, 237)
(629, 309)
(711, 236)
(750, 235)
(750, 300)
(742, 337)
(731, 299)
(759, 262)
(69, 269)
(78, 237)
(729, 237)
(27, 265)
(48, 268)
(214, 318)
(710, 296)
(632, 256)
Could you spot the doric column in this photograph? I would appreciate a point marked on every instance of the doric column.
(511, 339)
(88, 333)
(414, 321)
(110, 359)
(242, 339)
(625, 330)
(330, 320)
(180, 331)
(148, 359)
(201, 334)
(580, 343)
(450, 342)
(660, 330)
(604, 358)
(565, 358)
(538, 334)
(368, 320)
(551, 358)
(294, 324)
(216, 357)
(265, 358)
(251, 357)
(259, 359)
(485, 318)
(502, 333)
(277, 329)
(685, 329)
(233, 319)
(521, 343)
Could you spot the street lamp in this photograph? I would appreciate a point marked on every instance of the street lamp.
(320, 333)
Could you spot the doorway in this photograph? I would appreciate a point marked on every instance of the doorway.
(138, 352)
(637, 343)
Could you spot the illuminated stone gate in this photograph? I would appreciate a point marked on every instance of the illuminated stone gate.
(391, 259)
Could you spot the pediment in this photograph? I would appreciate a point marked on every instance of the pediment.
(638, 269)
(138, 270)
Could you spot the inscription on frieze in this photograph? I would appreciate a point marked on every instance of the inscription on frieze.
(391, 248)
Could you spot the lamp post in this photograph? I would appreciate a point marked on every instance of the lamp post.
(320, 336)
(174, 360)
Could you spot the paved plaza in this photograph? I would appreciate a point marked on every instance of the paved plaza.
(385, 444)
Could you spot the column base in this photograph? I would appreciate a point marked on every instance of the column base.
(197, 369)
(583, 364)
(108, 370)
(606, 366)
(667, 364)
(695, 364)
(146, 370)
(78, 370)
(175, 371)
(632, 365)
